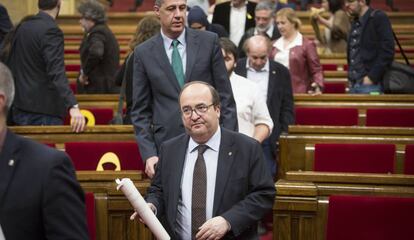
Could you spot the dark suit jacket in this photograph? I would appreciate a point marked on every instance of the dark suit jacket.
(38, 68)
(99, 53)
(376, 45)
(279, 97)
(39, 195)
(5, 23)
(155, 111)
(221, 15)
(244, 189)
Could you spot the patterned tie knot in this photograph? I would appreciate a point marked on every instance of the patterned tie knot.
(201, 149)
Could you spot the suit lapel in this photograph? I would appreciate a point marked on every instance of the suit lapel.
(225, 161)
(175, 184)
(272, 81)
(192, 49)
(159, 52)
(8, 162)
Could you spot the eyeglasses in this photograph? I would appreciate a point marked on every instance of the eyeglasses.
(200, 109)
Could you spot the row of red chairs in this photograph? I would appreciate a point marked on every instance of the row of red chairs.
(370, 217)
(375, 117)
(361, 158)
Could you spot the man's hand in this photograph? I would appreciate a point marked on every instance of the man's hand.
(150, 166)
(214, 228)
(367, 81)
(77, 120)
(83, 79)
(135, 214)
(316, 90)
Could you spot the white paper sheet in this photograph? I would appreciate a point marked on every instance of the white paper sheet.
(142, 208)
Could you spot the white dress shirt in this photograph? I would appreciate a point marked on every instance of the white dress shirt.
(282, 56)
(181, 48)
(237, 23)
(260, 77)
(251, 105)
(184, 203)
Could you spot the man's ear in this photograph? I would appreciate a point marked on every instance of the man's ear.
(157, 10)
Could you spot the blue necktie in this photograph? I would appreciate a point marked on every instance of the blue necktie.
(177, 63)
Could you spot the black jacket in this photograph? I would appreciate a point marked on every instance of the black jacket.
(37, 63)
(99, 52)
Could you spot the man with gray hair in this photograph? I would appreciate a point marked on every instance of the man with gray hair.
(40, 196)
(36, 59)
(264, 25)
(99, 51)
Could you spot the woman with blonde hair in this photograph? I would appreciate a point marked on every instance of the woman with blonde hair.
(298, 54)
(147, 28)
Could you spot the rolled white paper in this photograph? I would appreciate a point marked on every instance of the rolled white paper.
(1, 234)
(142, 208)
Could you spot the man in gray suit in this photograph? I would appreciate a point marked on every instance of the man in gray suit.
(211, 183)
(162, 65)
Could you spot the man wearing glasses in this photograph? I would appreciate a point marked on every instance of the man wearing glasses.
(210, 183)
(370, 47)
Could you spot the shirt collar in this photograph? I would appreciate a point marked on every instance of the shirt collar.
(264, 69)
(245, 4)
(213, 143)
(168, 41)
(298, 41)
(269, 31)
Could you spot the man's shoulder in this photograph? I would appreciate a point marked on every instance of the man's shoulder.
(39, 153)
(273, 65)
(146, 45)
(238, 138)
(223, 5)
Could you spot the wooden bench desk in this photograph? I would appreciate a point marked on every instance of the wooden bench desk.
(302, 199)
(296, 149)
(112, 209)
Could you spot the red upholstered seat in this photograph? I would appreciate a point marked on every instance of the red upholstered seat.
(370, 217)
(334, 87)
(86, 155)
(361, 158)
(327, 116)
(329, 67)
(409, 159)
(52, 145)
(90, 215)
(390, 117)
(72, 67)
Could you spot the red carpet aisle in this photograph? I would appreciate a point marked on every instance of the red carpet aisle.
(124, 5)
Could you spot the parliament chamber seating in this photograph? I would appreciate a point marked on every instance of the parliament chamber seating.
(335, 87)
(368, 217)
(95, 116)
(409, 159)
(90, 214)
(104, 155)
(390, 117)
(326, 116)
(356, 158)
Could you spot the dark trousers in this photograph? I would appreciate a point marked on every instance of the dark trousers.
(23, 118)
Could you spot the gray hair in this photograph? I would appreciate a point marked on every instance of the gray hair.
(264, 5)
(158, 2)
(93, 10)
(6, 85)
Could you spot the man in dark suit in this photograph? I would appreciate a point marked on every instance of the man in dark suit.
(221, 191)
(370, 47)
(265, 25)
(43, 95)
(40, 197)
(275, 81)
(5, 23)
(236, 16)
(162, 65)
(99, 51)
